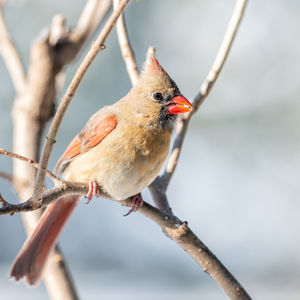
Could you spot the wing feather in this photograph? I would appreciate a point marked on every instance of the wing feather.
(95, 130)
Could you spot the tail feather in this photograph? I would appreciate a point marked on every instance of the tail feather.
(32, 257)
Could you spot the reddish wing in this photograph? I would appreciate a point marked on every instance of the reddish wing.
(91, 135)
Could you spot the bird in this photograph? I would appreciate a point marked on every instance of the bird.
(121, 150)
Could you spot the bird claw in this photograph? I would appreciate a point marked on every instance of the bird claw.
(93, 191)
(136, 203)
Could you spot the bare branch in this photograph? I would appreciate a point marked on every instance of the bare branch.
(159, 196)
(181, 234)
(67, 43)
(97, 46)
(55, 179)
(125, 47)
(47, 197)
(11, 56)
(94, 11)
(172, 226)
(206, 87)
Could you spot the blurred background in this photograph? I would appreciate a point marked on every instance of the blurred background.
(240, 163)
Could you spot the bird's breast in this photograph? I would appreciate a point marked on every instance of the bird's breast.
(124, 163)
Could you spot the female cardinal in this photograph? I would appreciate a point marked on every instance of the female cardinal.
(121, 148)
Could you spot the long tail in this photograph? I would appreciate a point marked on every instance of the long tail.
(32, 257)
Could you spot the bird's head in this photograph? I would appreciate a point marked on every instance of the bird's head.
(156, 89)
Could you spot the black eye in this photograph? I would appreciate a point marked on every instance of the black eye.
(157, 96)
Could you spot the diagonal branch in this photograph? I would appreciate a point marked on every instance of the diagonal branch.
(94, 11)
(125, 47)
(55, 179)
(205, 89)
(11, 56)
(97, 46)
(172, 227)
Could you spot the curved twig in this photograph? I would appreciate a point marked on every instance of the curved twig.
(206, 87)
(11, 56)
(54, 178)
(97, 46)
(94, 11)
(125, 47)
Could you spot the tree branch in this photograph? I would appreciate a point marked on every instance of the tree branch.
(97, 46)
(205, 89)
(94, 11)
(125, 47)
(11, 56)
(54, 178)
(171, 226)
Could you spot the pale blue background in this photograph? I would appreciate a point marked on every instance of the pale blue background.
(237, 183)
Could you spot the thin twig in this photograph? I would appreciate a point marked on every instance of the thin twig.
(11, 56)
(206, 87)
(97, 46)
(93, 11)
(55, 179)
(126, 48)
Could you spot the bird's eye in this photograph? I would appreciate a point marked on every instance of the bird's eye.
(157, 96)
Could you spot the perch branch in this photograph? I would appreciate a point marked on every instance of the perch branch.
(125, 47)
(173, 227)
(97, 46)
(205, 89)
(63, 188)
(10, 55)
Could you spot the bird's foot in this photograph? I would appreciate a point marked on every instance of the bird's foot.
(93, 190)
(136, 203)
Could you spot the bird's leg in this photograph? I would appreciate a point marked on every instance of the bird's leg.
(93, 190)
(136, 203)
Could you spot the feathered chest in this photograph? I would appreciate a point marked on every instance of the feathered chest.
(125, 162)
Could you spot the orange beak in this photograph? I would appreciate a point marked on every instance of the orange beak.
(179, 105)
